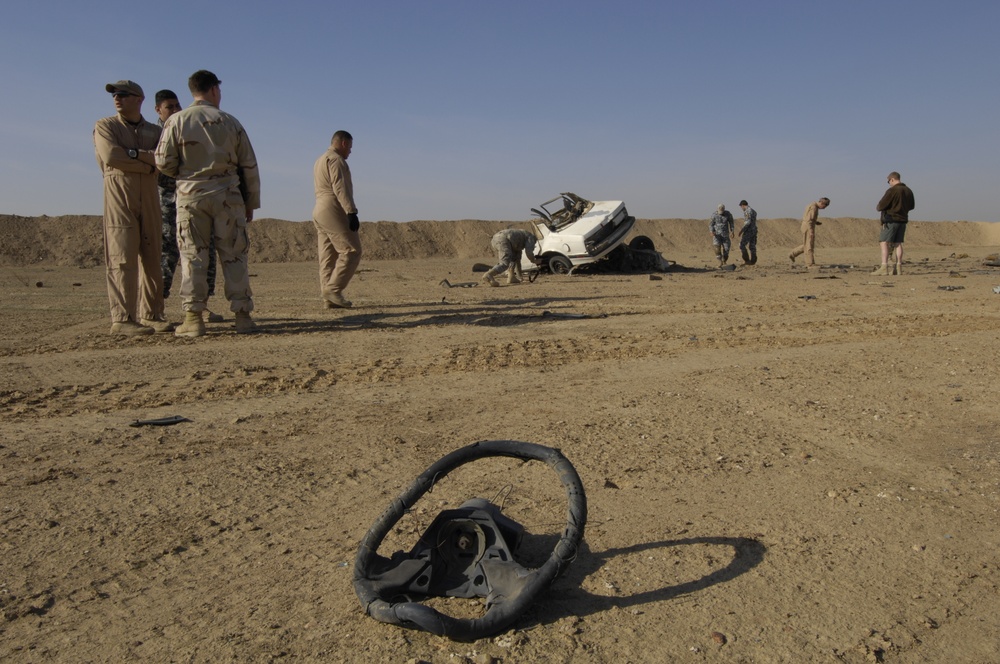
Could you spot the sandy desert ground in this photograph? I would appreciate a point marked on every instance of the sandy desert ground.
(781, 465)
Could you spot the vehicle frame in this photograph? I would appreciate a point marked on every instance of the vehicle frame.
(573, 231)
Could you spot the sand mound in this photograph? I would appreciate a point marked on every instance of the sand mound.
(76, 239)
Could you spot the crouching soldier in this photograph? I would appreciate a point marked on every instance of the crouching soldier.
(509, 244)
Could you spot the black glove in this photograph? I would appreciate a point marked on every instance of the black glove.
(353, 222)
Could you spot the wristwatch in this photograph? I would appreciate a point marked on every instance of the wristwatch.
(133, 153)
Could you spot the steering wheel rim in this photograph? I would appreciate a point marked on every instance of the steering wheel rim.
(502, 613)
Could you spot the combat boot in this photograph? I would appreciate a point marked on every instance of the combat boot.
(245, 324)
(899, 268)
(336, 300)
(193, 325)
(157, 325)
(129, 328)
(881, 271)
(488, 278)
(512, 276)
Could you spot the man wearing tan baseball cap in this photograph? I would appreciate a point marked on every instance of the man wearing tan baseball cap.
(124, 144)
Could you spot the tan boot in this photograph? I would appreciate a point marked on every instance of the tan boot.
(193, 325)
(337, 300)
(245, 324)
(488, 277)
(160, 326)
(881, 271)
(129, 328)
(512, 276)
(899, 268)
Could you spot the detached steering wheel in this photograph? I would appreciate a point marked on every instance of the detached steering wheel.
(465, 552)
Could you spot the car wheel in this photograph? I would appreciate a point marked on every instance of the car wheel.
(559, 264)
(641, 243)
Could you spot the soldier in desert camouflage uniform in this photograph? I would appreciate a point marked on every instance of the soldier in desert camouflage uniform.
(218, 187)
(166, 105)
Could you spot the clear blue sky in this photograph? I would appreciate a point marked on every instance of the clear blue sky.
(482, 110)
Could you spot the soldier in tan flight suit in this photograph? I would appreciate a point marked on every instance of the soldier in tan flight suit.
(218, 187)
(810, 220)
(124, 145)
(336, 219)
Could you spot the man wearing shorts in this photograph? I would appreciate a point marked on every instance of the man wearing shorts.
(895, 207)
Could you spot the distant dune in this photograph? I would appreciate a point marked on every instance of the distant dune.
(76, 239)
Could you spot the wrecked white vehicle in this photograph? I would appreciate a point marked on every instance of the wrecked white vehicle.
(573, 231)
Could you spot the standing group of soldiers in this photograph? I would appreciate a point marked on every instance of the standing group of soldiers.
(182, 191)
(205, 156)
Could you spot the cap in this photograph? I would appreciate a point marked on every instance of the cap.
(130, 87)
(721, 207)
(744, 202)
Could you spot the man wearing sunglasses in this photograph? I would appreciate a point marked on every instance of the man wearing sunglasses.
(124, 144)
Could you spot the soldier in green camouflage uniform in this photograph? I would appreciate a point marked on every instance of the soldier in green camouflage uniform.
(508, 245)
(721, 228)
(218, 187)
(166, 105)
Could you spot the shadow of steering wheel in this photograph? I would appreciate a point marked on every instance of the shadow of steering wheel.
(571, 600)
